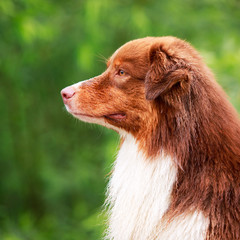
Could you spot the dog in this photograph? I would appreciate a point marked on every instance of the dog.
(177, 173)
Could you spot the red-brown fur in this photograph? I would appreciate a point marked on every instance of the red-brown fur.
(170, 101)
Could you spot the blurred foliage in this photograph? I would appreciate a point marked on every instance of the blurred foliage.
(53, 168)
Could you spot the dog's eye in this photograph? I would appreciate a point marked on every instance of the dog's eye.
(121, 72)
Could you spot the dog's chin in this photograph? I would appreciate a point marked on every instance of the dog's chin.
(105, 120)
(92, 119)
(88, 118)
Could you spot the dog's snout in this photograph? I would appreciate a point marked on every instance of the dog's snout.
(67, 93)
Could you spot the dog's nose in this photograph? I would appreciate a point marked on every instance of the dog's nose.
(67, 93)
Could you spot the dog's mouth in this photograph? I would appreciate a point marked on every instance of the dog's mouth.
(82, 115)
(116, 116)
(113, 116)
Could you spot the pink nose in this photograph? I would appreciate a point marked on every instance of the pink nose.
(67, 93)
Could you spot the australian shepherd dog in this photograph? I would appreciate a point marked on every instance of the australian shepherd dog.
(177, 173)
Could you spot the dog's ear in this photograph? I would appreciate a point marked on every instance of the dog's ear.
(166, 75)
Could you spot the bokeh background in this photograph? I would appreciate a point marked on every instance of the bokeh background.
(53, 168)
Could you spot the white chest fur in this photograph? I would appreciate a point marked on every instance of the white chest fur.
(138, 196)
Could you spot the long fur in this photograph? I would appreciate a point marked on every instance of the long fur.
(137, 208)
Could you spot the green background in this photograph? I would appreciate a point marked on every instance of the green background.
(53, 168)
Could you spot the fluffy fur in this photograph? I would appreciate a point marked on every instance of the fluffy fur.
(177, 172)
(140, 214)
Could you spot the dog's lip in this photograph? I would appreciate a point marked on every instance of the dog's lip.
(83, 114)
(112, 116)
(116, 116)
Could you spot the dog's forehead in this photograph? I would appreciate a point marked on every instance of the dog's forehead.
(132, 51)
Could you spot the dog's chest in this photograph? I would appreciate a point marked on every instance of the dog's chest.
(139, 194)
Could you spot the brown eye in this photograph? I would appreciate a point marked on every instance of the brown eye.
(121, 73)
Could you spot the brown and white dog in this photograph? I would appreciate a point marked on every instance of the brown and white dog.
(177, 174)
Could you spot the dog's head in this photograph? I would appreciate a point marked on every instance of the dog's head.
(141, 76)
